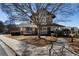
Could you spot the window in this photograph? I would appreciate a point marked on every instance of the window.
(44, 30)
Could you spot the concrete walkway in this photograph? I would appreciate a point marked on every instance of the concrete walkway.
(17, 46)
(2, 52)
(63, 43)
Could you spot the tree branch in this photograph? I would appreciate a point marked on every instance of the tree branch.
(56, 8)
(16, 5)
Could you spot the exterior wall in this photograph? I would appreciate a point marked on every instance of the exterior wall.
(47, 29)
(28, 30)
(56, 27)
(44, 30)
(45, 17)
(53, 28)
(25, 30)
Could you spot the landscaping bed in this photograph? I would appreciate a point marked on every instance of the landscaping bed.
(39, 41)
(44, 40)
(75, 45)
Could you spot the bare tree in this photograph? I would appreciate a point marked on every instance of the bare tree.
(42, 17)
(39, 13)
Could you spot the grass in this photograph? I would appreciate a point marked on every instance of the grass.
(34, 40)
(75, 45)
(37, 41)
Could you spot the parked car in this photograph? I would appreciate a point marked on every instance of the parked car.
(62, 33)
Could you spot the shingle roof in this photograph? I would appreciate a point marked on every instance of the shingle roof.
(26, 25)
(33, 25)
(54, 24)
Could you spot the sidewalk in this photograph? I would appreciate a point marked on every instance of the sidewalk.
(2, 52)
(17, 46)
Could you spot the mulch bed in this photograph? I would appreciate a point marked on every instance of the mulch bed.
(37, 41)
(75, 46)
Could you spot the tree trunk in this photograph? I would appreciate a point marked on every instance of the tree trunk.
(38, 32)
(71, 39)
